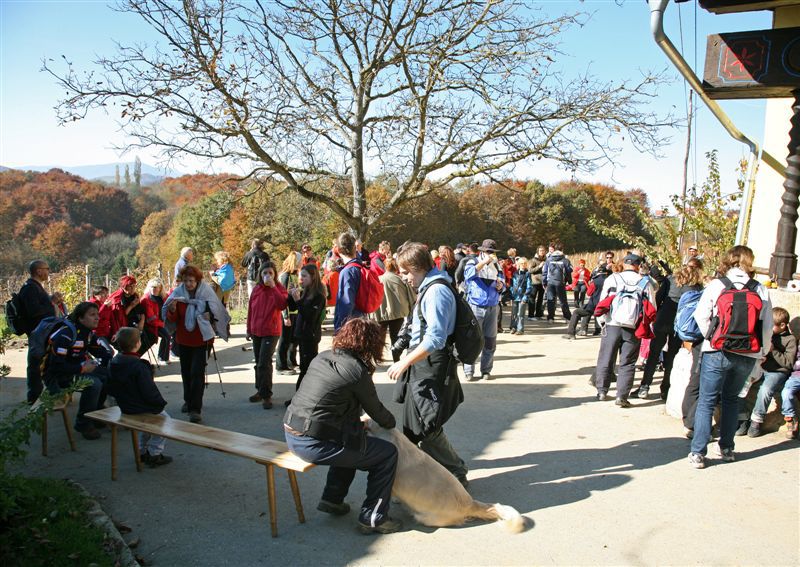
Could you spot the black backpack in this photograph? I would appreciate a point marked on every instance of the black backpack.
(16, 321)
(254, 267)
(467, 337)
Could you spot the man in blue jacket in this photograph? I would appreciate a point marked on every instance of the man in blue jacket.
(485, 283)
(349, 282)
(428, 378)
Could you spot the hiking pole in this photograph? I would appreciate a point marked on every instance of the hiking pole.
(216, 363)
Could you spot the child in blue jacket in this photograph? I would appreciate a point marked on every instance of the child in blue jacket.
(521, 288)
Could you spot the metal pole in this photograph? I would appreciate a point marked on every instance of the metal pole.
(657, 9)
(682, 225)
(784, 260)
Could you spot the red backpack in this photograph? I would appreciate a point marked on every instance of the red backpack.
(737, 325)
(370, 290)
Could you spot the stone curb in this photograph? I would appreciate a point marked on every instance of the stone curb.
(104, 521)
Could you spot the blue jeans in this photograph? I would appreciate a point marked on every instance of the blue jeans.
(772, 384)
(722, 374)
(379, 459)
(790, 390)
(152, 444)
(557, 291)
(487, 319)
(92, 397)
(518, 310)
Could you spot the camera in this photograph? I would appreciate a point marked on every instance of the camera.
(403, 338)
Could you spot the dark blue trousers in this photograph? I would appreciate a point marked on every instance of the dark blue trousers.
(379, 459)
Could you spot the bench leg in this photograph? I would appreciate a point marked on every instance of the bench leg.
(113, 452)
(136, 455)
(273, 512)
(70, 436)
(296, 493)
(44, 435)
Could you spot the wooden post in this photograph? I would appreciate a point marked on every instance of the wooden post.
(88, 290)
(784, 260)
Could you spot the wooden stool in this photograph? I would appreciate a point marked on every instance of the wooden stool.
(59, 406)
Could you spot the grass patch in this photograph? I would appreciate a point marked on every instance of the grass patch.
(238, 316)
(48, 525)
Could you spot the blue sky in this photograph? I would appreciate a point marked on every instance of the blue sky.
(615, 44)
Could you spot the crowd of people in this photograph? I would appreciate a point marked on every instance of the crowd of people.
(427, 301)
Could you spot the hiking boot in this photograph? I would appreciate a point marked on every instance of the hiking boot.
(185, 408)
(333, 508)
(195, 417)
(643, 392)
(266, 403)
(486, 376)
(389, 526)
(568, 337)
(727, 454)
(791, 427)
(158, 460)
(697, 460)
(90, 433)
(742, 429)
(622, 402)
(754, 430)
(255, 398)
(602, 396)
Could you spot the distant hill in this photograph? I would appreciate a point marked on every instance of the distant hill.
(106, 172)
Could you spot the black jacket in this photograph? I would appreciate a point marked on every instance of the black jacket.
(599, 279)
(308, 326)
(66, 354)
(331, 396)
(462, 264)
(131, 383)
(36, 304)
(430, 393)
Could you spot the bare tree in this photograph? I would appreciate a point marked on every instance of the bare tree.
(323, 93)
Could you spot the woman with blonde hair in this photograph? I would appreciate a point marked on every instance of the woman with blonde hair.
(724, 366)
(223, 277)
(287, 346)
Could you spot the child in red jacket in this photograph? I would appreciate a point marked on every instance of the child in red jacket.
(264, 323)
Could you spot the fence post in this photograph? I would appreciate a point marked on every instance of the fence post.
(88, 283)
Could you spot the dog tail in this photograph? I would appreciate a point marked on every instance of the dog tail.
(512, 520)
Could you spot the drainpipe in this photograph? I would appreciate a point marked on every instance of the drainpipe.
(657, 9)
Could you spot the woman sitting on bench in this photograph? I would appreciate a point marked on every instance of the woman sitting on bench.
(323, 424)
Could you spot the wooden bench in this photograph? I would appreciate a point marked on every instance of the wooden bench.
(59, 406)
(263, 451)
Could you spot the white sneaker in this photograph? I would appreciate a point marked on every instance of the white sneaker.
(697, 460)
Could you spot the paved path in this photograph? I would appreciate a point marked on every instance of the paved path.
(602, 485)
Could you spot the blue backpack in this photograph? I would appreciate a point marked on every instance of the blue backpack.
(685, 326)
(39, 339)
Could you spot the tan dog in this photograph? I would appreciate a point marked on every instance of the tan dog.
(432, 493)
